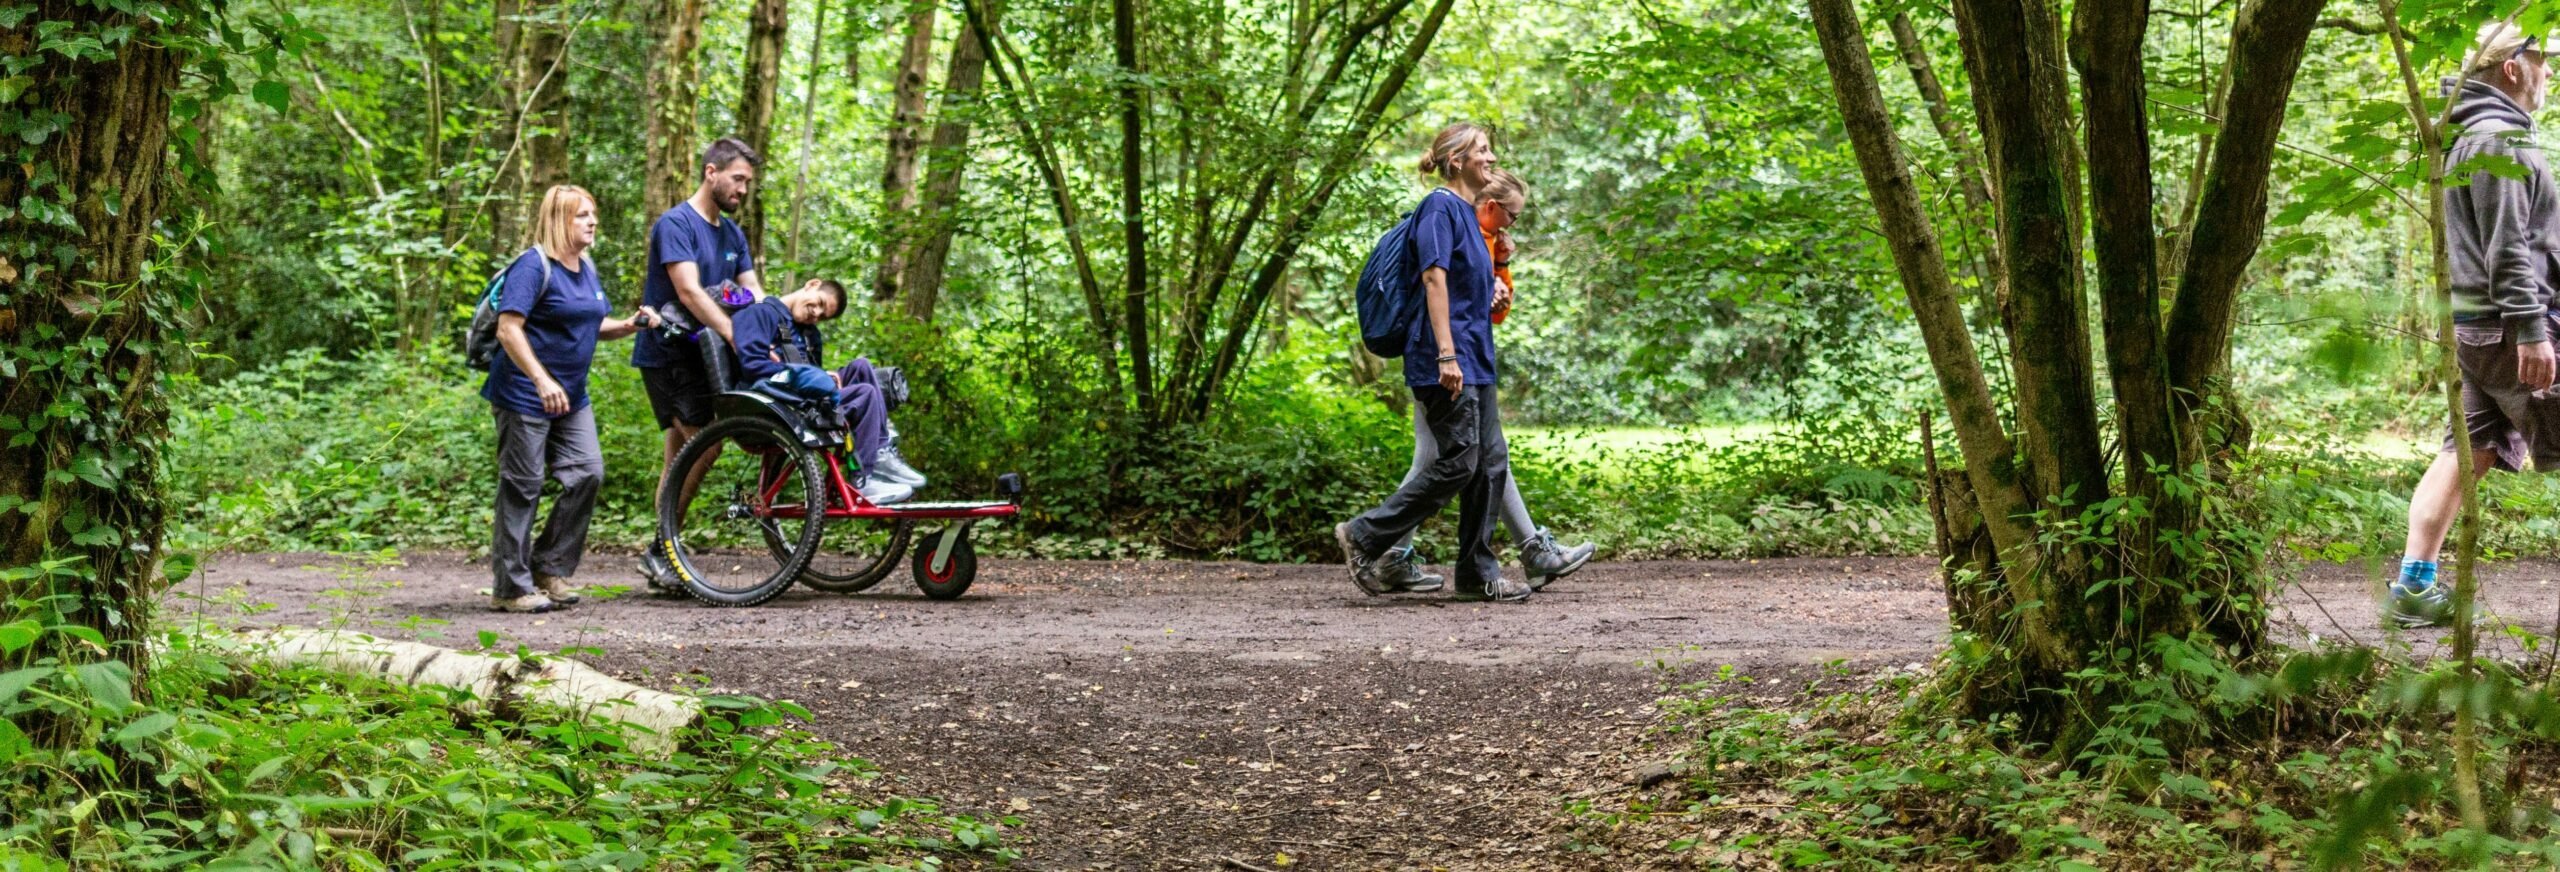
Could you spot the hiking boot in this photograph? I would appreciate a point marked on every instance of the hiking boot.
(1545, 561)
(1501, 590)
(1398, 572)
(528, 604)
(660, 573)
(557, 588)
(2431, 606)
(882, 492)
(1364, 571)
(892, 467)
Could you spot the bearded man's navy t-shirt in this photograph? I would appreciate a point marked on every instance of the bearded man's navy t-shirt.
(717, 252)
(1445, 235)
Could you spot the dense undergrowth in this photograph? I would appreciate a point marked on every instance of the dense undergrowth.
(211, 762)
(395, 450)
(2336, 759)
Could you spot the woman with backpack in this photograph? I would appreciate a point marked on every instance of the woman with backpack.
(551, 311)
(1449, 366)
(1498, 206)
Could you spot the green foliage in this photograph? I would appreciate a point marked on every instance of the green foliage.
(382, 451)
(207, 761)
(2342, 763)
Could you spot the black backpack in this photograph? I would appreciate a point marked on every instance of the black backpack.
(480, 342)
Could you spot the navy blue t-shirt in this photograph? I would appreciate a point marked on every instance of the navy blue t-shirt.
(560, 323)
(718, 254)
(1445, 235)
(758, 331)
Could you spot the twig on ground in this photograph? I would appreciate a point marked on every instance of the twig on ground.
(1233, 863)
(2324, 612)
(1338, 846)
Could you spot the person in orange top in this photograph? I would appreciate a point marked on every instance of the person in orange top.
(1496, 211)
(1498, 206)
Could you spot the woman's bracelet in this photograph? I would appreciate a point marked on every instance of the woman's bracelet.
(1445, 358)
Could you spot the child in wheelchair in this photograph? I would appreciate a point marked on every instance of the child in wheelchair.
(780, 355)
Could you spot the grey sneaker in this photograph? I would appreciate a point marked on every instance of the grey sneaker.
(557, 588)
(1502, 590)
(528, 604)
(660, 574)
(892, 467)
(1398, 573)
(1545, 561)
(882, 492)
(2431, 606)
(1364, 571)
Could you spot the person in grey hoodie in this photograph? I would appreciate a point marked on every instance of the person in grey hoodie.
(2499, 238)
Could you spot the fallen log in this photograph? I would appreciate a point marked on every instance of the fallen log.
(510, 683)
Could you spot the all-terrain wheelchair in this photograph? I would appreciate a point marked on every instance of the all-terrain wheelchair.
(771, 474)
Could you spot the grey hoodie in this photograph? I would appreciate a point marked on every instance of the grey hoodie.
(2499, 232)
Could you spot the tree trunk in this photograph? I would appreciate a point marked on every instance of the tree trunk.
(2107, 48)
(545, 79)
(1293, 230)
(1990, 502)
(674, 89)
(1993, 270)
(1133, 221)
(939, 219)
(768, 24)
(808, 144)
(1014, 79)
(506, 29)
(80, 323)
(898, 171)
(2036, 603)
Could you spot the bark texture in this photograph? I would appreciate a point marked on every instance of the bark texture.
(947, 167)
(674, 90)
(544, 79)
(1133, 220)
(80, 326)
(898, 169)
(2037, 597)
(767, 24)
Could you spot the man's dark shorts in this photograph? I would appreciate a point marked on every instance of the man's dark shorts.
(680, 392)
(2502, 414)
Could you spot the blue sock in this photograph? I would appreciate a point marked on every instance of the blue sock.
(2416, 575)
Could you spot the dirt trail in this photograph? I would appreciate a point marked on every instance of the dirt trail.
(1170, 715)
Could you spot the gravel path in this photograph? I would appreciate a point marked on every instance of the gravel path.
(1173, 715)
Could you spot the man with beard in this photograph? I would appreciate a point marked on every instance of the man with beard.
(695, 253)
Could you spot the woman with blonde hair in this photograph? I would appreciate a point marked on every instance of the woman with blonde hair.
(552, 308)
(1542, 559)
(1449, 366)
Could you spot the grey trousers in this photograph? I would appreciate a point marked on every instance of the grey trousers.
(1515, 511)
(532, 448)
(1472, 466)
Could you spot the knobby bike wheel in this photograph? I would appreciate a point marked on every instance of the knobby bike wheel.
(757, 485)
(852, 555)
(957, 571)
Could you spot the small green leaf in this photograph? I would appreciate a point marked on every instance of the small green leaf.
(14, 683)
(19, 635)
(109, 683)
(13, 86)
(149, 725)
(178, 567)
(273, 93)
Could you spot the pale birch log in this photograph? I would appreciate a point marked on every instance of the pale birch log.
(544, 683)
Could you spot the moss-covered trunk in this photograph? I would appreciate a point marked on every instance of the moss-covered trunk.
(81, 409)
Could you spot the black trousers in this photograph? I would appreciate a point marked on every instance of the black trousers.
(1474, 467)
